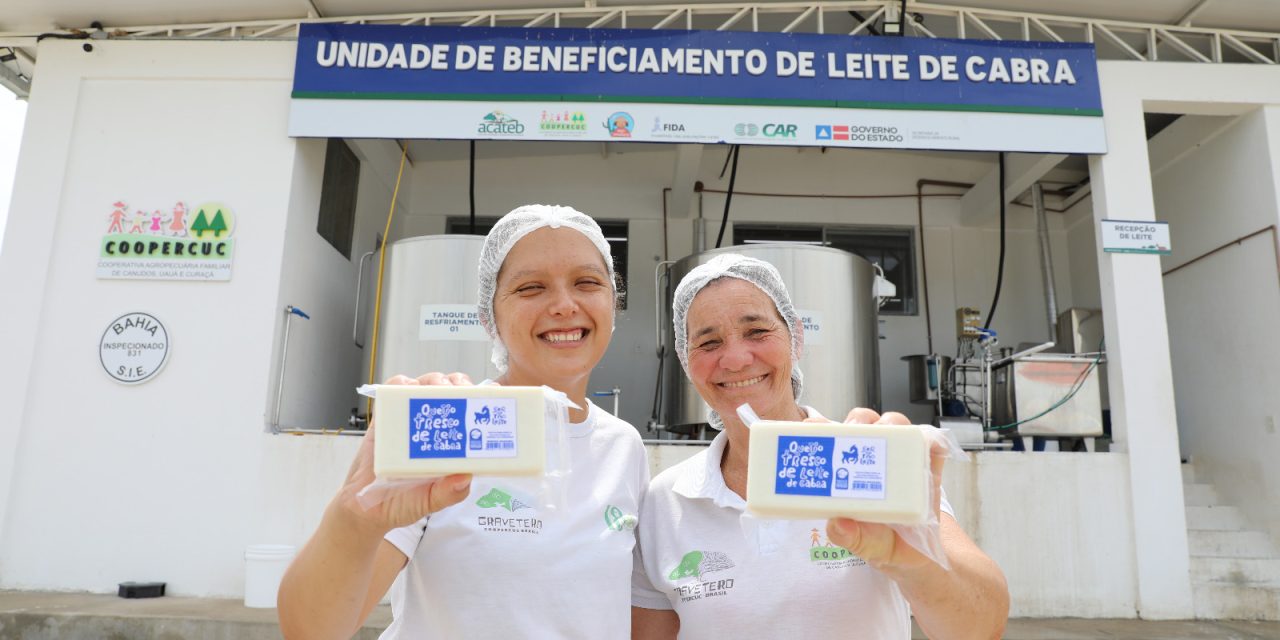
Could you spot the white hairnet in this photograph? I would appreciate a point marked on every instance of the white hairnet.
(759, 273)
(505, 234)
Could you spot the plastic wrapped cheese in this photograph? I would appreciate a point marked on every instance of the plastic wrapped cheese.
(873, 473)
(427, 431)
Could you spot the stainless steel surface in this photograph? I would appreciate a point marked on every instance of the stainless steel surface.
(841, 358)
(987, 381)
(355, 320)
(429, 270)
(968, 432)
(1046, 260)
(289, 431)
(659, 272)
(1041, 381)
(1002, 409)
(924, 388)
(284, 359)
(1080, 331)
(1029, 351)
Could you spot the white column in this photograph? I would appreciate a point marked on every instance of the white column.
(1143, 417)
(29, 248)
(1271, 118)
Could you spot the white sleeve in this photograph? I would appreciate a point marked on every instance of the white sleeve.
(945, 505)
(643, 594)
(406, 539)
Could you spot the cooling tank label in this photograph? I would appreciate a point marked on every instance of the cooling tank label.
(450, 322)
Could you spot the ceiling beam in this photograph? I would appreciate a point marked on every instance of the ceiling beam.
(1185, 20)
(684, 174)
(15, 82)
(312, 10)
(1022, 170)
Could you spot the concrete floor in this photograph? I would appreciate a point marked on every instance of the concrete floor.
(30, 615)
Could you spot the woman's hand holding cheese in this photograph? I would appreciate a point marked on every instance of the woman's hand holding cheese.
(405, 505)
(873, 542)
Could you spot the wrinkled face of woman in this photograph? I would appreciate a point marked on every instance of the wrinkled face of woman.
(553, 307)
(740, 351)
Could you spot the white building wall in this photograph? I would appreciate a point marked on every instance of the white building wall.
(162, 480)
(1082, 252)
(1057, 525)
(1223, 311)
(324, 365)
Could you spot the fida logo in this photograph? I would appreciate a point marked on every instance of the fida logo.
(660, 127)
(498, 123)
(620, 124)
(499, 499)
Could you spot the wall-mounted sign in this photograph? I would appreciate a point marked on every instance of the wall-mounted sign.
(794, 89)
(450, 322)
(134, 348)
(1135, 236)
(175, 244)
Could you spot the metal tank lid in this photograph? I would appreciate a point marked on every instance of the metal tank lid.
(789, 246)
(436, 237)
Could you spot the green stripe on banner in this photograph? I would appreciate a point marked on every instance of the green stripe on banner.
(753, 102)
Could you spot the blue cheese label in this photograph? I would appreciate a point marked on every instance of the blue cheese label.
(838, 467)
(462, 428)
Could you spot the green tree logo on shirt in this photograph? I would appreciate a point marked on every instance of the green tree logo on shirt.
(497, 498)
(697, 563)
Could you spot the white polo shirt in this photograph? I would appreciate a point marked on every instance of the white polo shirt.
(728, 574)
(496, 565)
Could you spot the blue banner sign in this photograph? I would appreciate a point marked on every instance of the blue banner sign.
(626, 77)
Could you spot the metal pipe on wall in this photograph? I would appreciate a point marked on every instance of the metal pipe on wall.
(289, 312)
(1046, 260)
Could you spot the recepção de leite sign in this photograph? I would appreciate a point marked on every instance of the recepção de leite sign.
(1135, 236)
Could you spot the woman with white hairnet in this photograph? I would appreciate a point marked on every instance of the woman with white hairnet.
(479, 557)
(705, 571)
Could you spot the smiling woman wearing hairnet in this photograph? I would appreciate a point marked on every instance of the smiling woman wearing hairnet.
(706, 572)
(497, 565)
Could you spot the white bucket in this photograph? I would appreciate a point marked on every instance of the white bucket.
(264, 566)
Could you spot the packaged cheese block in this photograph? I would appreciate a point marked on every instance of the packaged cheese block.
(425, 431)
(873, 473)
